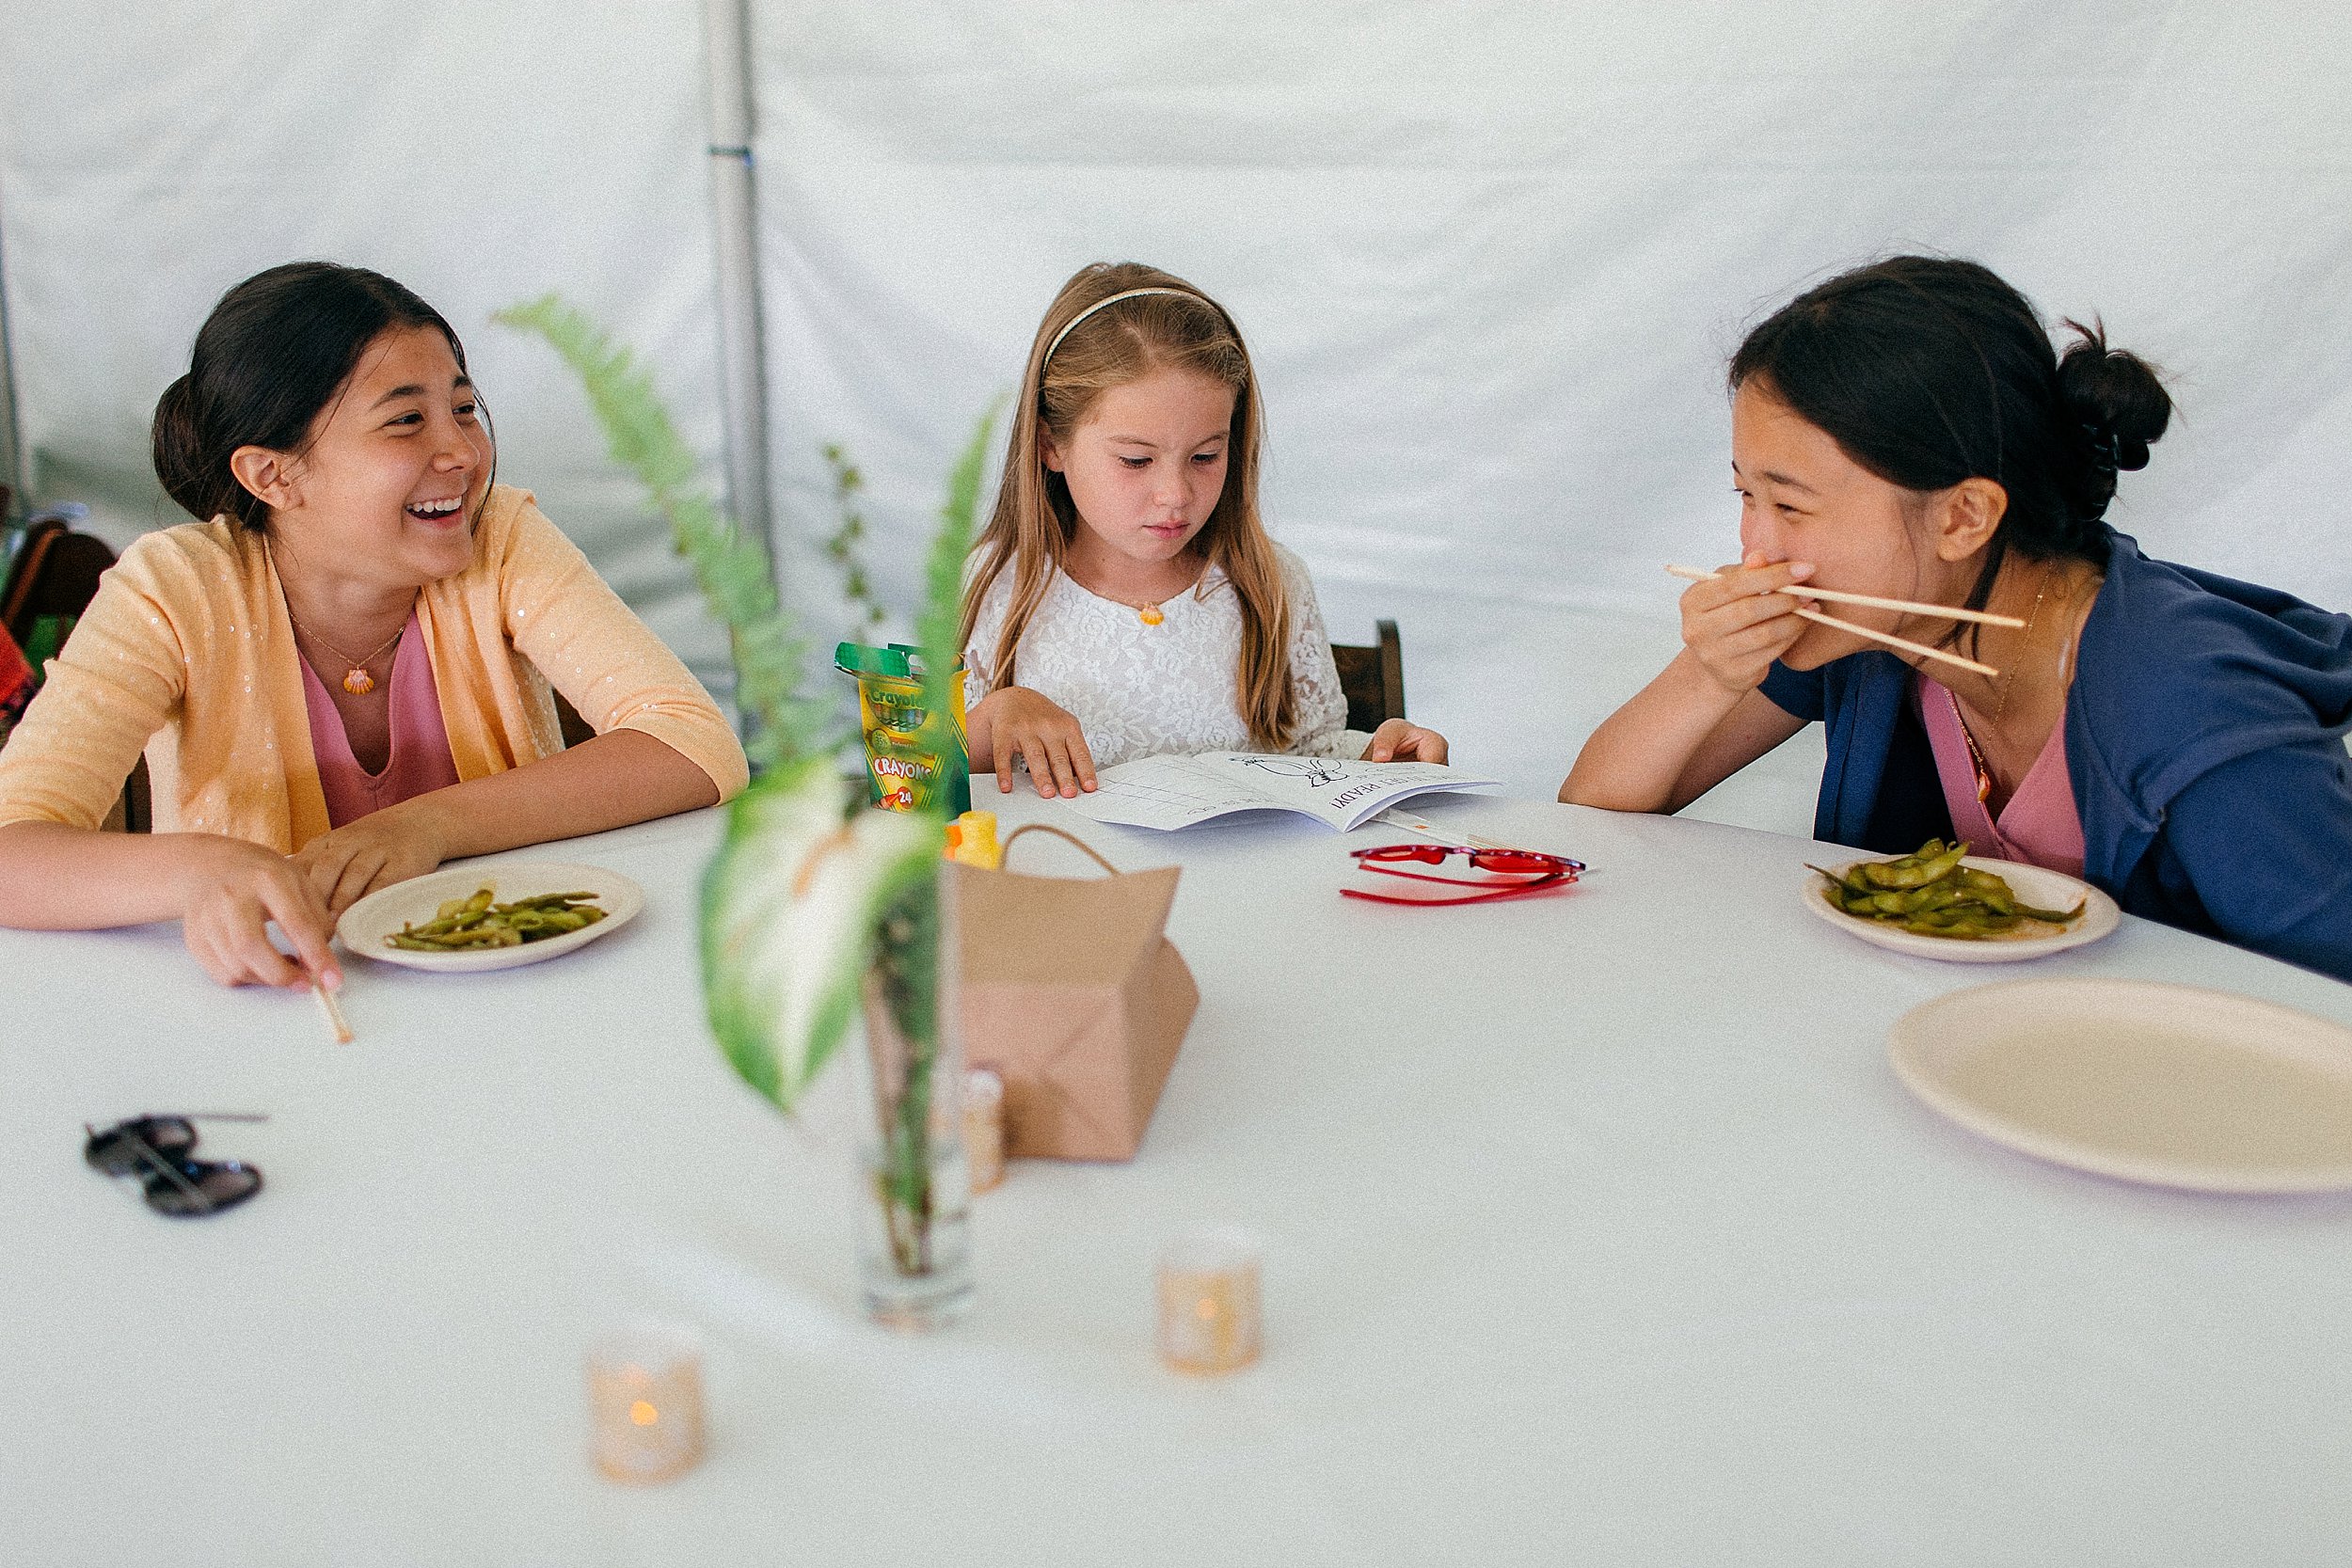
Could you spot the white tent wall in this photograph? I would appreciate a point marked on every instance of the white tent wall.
(1490, 259)
(481, 154)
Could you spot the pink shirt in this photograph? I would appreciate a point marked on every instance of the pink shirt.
(420, 761)
(2039, 826)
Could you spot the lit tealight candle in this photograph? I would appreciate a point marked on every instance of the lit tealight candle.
(645, 1399)
(984, 1127)
(1209, 1311)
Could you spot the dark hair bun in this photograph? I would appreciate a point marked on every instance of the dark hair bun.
(2116, 395)
(179, 453)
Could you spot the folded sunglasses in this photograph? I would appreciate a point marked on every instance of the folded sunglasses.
(153, 1150)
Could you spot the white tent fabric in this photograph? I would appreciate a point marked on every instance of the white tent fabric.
(481, 154)
(1490, 259)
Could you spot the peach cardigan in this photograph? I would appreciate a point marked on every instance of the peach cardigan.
(186, 652)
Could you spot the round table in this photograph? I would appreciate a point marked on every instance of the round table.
(1598, 1229)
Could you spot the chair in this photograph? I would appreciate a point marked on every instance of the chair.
(576, 729)
(1372, 677)
(52, 579)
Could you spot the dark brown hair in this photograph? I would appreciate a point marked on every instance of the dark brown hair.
(1927, 370)
(273, 353)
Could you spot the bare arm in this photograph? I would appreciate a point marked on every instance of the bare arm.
(622, 776)
(1678, 738)
(223, 891)
(1702, 718)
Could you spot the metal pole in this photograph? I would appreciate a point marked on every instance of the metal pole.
(742, 368)
(15, 473)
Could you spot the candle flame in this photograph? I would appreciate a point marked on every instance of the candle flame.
(643, 1414)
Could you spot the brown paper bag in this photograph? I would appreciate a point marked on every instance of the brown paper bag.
(1073, 996)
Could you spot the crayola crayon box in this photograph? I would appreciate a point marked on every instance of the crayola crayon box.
(914, 759)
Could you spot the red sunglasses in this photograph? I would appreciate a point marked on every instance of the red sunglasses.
(1535, 870)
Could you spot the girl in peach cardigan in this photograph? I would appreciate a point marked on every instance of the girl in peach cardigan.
(341, 678)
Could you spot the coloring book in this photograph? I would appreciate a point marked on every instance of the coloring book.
(1178, 791)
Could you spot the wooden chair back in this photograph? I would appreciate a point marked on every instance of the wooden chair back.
(1372, 677)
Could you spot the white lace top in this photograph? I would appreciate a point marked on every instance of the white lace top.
(1138, 690)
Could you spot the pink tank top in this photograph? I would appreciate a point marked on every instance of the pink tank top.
(2039, 826)
(420, 762)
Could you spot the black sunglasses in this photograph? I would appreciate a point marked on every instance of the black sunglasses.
(154, 1148)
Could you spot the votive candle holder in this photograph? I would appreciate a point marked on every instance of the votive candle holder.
(646, 1403)
(984, 1127)
(1209, 1308)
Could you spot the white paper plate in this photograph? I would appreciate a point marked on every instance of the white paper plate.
(2043, 889)
(2162, 1084)
(366, 923)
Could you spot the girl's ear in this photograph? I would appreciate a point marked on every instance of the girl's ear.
(1966, 517)
(267, 474)
(1048, 453)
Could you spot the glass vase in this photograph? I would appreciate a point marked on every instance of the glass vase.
(914, 1204)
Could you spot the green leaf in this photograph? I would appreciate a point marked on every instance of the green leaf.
(734, 572)
(942, 617)
(791, 906)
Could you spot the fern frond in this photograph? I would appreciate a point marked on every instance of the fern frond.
(734, 572)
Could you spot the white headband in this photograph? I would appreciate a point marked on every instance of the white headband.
(1114, 300)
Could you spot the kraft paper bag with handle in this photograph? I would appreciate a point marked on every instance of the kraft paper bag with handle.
(1073, 995)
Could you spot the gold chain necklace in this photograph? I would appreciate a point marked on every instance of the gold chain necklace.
(1976, 757)
(356, 679)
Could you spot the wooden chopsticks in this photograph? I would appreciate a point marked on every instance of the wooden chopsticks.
(336, 1023)
(1940, 611)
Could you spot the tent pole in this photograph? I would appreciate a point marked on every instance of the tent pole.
(742, 369)
(15, 473)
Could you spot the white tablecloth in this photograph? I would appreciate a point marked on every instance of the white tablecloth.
(1599, 1231)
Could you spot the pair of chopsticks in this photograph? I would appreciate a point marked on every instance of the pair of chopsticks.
(1909, 607)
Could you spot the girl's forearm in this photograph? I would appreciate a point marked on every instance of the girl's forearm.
(54, 877)
(622, 776)
(1639, 759)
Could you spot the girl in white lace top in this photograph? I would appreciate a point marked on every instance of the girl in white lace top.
(1124, 599)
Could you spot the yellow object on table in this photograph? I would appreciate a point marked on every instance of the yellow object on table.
(972, 841)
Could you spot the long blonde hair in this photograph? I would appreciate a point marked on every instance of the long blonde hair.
(1029, 532)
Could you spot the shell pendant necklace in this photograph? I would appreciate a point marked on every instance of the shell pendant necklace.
(355, 677)
(1976, 757)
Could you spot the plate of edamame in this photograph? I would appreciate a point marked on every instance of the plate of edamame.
(490, 917)
(1942, 902)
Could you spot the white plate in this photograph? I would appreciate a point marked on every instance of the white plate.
(2162, 1084)
(366, 923)
(2043, 889)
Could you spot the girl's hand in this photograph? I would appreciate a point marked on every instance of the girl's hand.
(378, 849)
(1021, 722)
(1397, 740)
(1737, 624)
(230, 891)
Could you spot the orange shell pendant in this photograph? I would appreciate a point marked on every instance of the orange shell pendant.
(1150, 615)
(359, 683)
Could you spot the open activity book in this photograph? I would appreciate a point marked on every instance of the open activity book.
(1178, 791)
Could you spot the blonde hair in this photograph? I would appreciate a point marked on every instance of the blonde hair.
(1072, 363)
